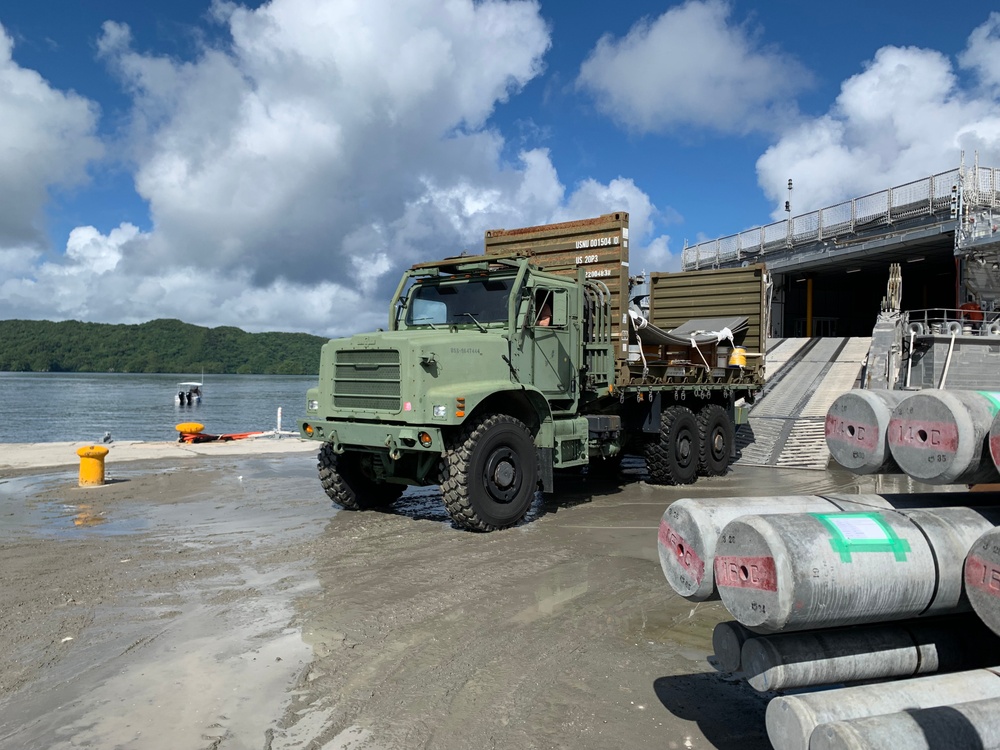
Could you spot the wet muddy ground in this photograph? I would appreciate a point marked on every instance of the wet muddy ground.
(223, 604)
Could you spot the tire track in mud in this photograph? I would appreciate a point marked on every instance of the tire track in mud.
(427, 637)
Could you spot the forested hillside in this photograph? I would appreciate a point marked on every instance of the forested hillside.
(156, 346)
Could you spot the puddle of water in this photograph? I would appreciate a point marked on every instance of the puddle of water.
(225, 506)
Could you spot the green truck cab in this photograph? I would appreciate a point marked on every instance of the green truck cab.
(498, 369)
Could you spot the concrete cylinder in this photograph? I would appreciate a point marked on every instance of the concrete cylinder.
(92, 465)
(689, 529)
(857, 424)
(975, 724)
(802, 571)
(727, 643)
(791, 719)
(982, 578)
(995, 441)
(867, 652)
(940, 437)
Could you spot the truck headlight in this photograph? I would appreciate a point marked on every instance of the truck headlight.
(312, 405)
(440, 411)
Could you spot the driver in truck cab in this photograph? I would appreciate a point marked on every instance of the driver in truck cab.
(544, 303)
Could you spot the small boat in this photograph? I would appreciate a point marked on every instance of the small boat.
(188, 393)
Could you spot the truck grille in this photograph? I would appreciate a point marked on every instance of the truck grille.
(367, 379)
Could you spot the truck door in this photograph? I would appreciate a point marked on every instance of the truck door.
(549, 348)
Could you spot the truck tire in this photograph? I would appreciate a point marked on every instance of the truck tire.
(715, 438)
(344, 479)
(489, 474)
(673, 459)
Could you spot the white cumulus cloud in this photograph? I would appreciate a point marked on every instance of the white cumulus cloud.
(47, 140)
(906, 116)
(693, 67)
(293, 168)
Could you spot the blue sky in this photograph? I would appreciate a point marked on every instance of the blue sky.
(275, 165)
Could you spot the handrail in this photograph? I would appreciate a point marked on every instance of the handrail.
(925, 197)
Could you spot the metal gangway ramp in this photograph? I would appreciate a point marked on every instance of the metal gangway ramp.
(786, 427)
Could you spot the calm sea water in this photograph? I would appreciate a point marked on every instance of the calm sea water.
(53, 407)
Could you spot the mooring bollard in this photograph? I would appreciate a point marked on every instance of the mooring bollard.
(92, 465)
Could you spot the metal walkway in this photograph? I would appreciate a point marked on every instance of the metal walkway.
(896, 217)
(804, 376)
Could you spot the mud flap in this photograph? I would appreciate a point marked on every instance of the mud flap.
(545, 468)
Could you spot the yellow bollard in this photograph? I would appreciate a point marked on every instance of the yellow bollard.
(92, 465)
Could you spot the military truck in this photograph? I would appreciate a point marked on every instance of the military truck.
(541, 354)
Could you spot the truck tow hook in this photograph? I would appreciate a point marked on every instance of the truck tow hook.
(394, 452)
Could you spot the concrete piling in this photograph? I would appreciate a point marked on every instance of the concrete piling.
(975, 724)
(791, 720)
(804, 571)
(690, 527)
(995, 441)
(940, 437)
(982, 578)
(727, 643)
(867, 652)
(857, 425)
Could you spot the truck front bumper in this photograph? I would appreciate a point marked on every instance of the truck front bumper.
(394, 438)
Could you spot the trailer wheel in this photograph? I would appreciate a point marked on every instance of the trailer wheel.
(715, 436)
(673, 459)
(489, 474)
(347, 482)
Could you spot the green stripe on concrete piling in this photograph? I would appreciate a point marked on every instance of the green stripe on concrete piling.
(862, 532)
(994, 399)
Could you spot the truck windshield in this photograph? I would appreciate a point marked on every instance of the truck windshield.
(469, 301)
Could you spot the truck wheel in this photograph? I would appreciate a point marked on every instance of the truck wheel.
(490, 473)
(716, 435)
(673, 459)
(346, 483)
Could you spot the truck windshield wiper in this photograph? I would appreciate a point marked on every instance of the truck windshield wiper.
(422, 321)
(480, 325)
